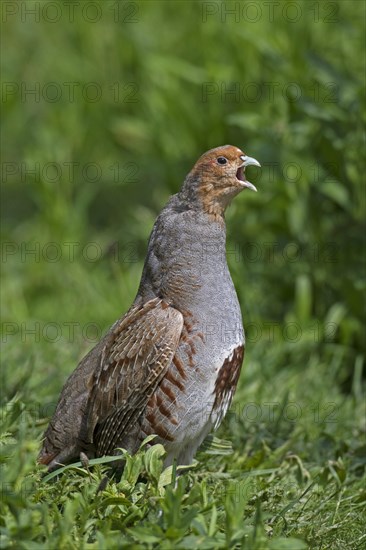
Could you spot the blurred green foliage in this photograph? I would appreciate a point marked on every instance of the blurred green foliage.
(103, 114)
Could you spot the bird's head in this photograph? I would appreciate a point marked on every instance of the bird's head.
(217, 177)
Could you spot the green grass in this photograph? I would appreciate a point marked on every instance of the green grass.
(288, 468)
(292, 477)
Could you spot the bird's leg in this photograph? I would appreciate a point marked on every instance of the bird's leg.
(85, 463)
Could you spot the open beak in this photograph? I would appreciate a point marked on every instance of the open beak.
(240, 174)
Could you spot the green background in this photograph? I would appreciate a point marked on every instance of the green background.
(105, 108)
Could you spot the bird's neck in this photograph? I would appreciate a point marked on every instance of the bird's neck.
(187, 253)
(201, 196)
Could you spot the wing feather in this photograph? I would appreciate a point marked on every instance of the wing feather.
(133, 361)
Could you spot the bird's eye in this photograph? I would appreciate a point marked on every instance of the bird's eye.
(222, 160)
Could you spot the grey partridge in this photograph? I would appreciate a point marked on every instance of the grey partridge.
(170, 365)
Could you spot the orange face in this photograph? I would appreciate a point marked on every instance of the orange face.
(218, 176)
